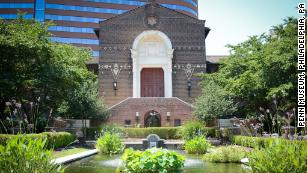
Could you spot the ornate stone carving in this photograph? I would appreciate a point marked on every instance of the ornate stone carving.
(152, 20)
(115, 69)
(188, 69)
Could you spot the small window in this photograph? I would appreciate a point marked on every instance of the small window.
(177, 122)
(127, 123)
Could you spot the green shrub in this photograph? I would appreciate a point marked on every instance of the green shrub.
(252, 142)
(96, 132)
(193, 129)
(58, 139)
(152, 161)
(226, 154)
(210, 132)
(258, 142)
(162, 132)
(110, 144)
(54, 139)
(24, 155)
(197, 145)
(280, 156)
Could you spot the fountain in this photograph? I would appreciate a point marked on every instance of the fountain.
(109, 164)
(153, 140)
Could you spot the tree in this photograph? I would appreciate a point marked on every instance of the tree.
(215, 102)
(36, 71)
(261, 73)
(84, 103)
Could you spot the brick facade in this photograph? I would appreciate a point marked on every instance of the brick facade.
(127, 110)
(117, 34)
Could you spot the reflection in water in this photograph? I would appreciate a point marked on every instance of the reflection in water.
(108, 164)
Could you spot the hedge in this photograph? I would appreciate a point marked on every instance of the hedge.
(162, 132)
(259, 142)
(54, 139)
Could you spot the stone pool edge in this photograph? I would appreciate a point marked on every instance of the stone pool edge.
(74, 157)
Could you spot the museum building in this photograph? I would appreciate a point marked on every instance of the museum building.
(148, 65)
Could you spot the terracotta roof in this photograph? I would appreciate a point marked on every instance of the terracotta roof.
(215, 59)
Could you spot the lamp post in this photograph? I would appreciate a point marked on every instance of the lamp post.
(115, 87)
(168, 116)
(137, 117)
(189, 87)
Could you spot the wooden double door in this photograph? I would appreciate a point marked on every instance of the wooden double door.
(152, 82)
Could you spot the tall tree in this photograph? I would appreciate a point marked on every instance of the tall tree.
(215, 102)
(35, 72)
(261, 72)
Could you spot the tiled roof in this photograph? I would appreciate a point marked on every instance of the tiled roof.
(215, 59)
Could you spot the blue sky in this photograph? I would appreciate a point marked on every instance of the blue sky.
(233, 21)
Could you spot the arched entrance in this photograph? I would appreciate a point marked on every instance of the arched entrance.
(152, 49)
(152, 119)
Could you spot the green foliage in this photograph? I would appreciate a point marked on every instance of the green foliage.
(162, 132)
(96, 132)
(84, 102)
(58, 139)
(110, 144)
(259, 142)
(193, 129)
(252, 142)
(214, 102)
(22, 155)
(226, 154)
(36, 71)
(280, 156)
(197, 145)
(53, 139)
(261, 72)
(152, 161)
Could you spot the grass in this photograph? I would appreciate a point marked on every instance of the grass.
(58, 154)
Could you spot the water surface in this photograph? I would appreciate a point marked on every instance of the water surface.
(108, 164)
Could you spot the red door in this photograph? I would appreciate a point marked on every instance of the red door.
(152, 82)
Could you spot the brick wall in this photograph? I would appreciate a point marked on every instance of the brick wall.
(117, 35)
(126, 110)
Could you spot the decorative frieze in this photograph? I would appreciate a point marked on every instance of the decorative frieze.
(189, 69)
(189, 48)
(115, 69)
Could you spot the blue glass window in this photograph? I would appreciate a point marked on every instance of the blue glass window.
(86, 9)
(40, 10)
(95, 53)
(73, 18)
(14, 16)
(74, 40)
(191, 2)
(136, 3)
(179, 7)
(16, 5)
(71, 29)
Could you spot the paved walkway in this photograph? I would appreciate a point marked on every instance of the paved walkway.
(74, 157)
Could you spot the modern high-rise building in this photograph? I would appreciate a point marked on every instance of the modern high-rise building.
(75, 20)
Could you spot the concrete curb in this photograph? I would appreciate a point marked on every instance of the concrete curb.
(74, 157)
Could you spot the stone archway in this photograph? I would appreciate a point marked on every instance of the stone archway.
(152, 119)
(152, 49)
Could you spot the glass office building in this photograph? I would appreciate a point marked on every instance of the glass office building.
(75, 19)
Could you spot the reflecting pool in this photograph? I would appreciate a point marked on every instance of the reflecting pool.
(108, 164)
